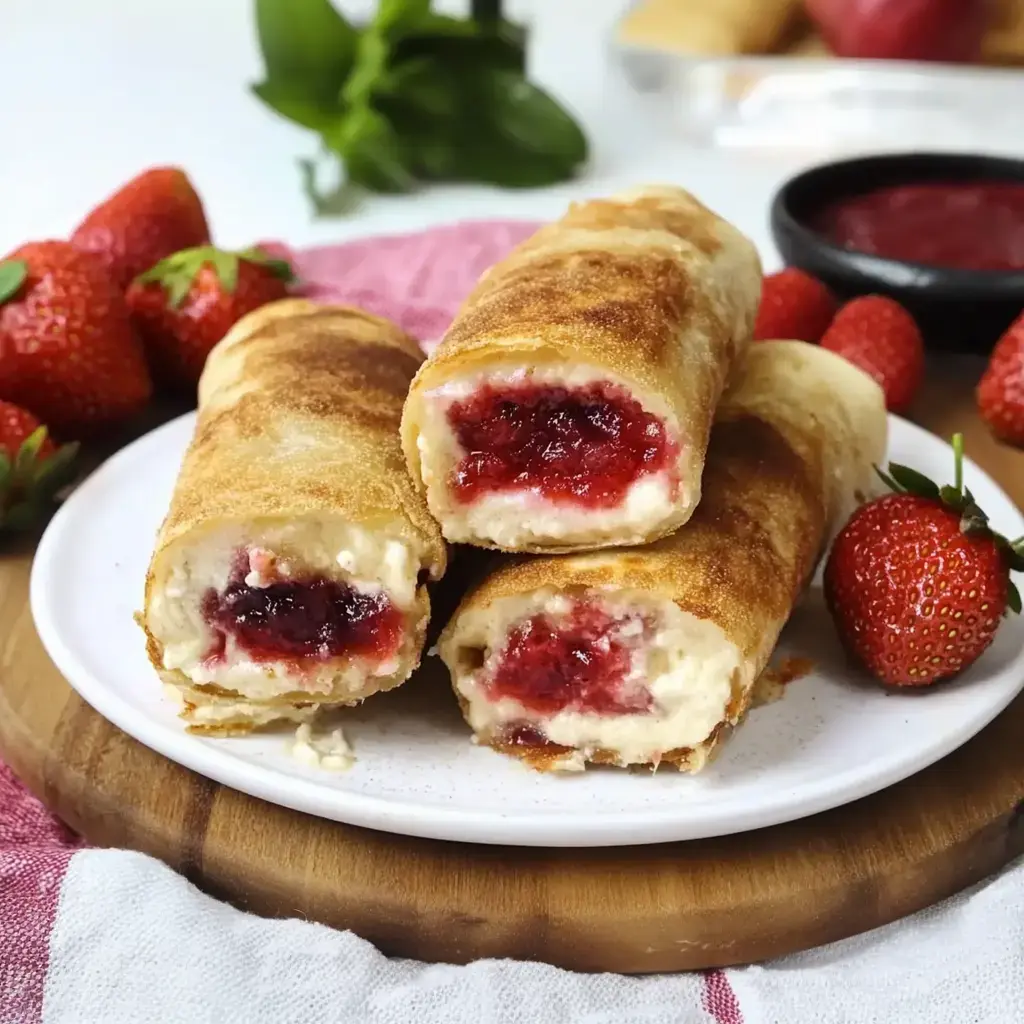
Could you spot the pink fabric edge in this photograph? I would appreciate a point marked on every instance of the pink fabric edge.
(720, 1000)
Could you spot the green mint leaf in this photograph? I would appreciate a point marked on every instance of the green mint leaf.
(423, 88)
(5, 474)
(1013, 597)
(528, 115)
(514, 134)
(394, 16)
(370, 69)
(12, 277)
(485, 12)
(464, 46)
(308, 48)
(443, 26)
(913, 481)
(338, 201)
(293, 104)
(372, 152)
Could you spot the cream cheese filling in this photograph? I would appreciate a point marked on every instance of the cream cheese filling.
(367, 561)
(687, 665)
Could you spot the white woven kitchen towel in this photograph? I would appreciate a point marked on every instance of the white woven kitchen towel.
(132, 941)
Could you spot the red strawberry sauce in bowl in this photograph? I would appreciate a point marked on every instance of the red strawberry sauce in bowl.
(943, 234)
(963, 225)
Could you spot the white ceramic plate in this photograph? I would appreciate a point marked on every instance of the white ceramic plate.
(833, 738)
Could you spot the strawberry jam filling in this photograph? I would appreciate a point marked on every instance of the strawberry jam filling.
(579, 446)
(312, 618)
(579, 662)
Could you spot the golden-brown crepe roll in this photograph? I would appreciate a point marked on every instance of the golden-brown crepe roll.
(710, 28)
(290, 570)
(649, 655)
(570, 402)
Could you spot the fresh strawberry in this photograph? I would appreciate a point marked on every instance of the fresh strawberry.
(186, 303)
(1001, 391)
(794, 306)
(880, 336)
(942, 30)
(154, 215)
(32, 467)
(917, 581)
(67, 348)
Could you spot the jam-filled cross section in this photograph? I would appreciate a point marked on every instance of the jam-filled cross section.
(584, 445)
(310, 617)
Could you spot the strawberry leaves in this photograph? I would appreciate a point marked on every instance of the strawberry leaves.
(904, 480)
(28, 482)
(974, 520)
(178, 272)
(12, 277)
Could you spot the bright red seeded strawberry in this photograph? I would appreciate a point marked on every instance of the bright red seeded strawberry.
(32, 467)
(186, 303)
(917, 582)
(67, 348)
(154, 215)
(880, 336)
(1001, 391)
(794, 306)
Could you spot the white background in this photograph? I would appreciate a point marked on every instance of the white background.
(92, 91)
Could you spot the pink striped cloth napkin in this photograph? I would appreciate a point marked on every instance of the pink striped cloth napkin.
(114, 937)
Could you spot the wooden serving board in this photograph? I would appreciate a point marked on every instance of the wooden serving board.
(673, 907)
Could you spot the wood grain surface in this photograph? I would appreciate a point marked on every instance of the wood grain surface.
(663, 908)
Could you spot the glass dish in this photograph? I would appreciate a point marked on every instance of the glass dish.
(832, 105)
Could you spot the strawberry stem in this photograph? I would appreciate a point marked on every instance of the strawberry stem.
(958, 463)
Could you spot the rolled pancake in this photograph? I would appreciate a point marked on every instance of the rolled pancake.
(719, 29)
(290, 570)
(649, 655)
(569, 404)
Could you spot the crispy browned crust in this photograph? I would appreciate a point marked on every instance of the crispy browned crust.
(650, 287)
(333, 378)
(334, 375)
(194, 695)
(690, 760)
(794, 443)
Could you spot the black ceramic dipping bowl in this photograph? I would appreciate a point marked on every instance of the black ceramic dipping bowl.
(958, 310)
